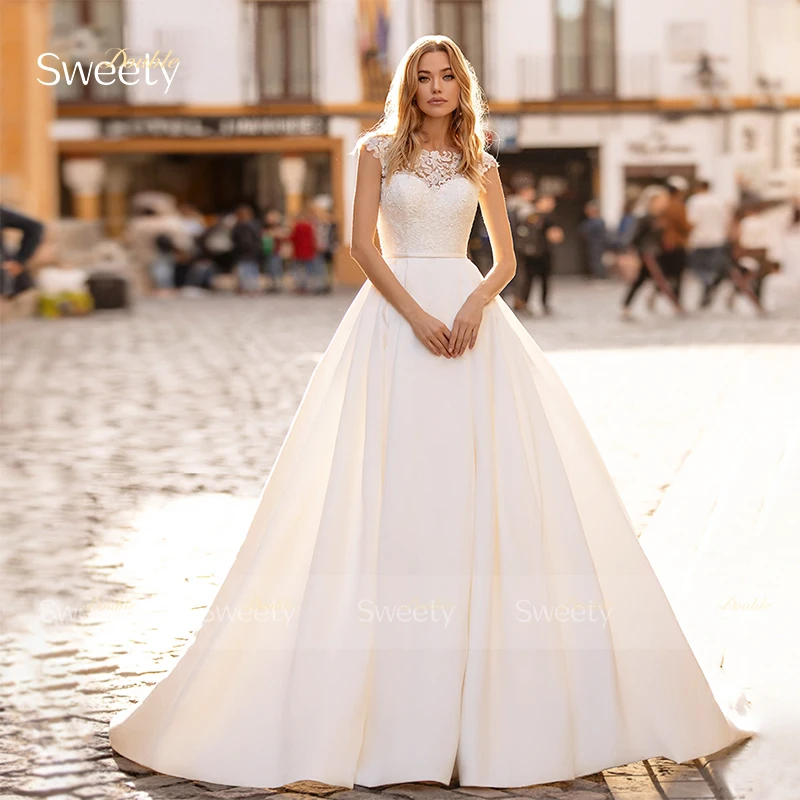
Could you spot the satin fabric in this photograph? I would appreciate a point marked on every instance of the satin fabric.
(439, 574)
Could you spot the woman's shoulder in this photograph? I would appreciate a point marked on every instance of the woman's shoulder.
(487, 161)
(377, 143)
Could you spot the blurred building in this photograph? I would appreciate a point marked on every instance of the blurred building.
(261, 100)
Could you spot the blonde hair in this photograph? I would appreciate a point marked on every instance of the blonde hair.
(402, 119)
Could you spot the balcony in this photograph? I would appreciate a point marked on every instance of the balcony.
(83, 32)
(544, 78)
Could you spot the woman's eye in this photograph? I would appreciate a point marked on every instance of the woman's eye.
(450, 76)
(423, 78)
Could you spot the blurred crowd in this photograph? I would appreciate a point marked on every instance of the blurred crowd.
(262, 252)
(668, 231)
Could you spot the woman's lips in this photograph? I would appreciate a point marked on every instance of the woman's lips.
(437, 102)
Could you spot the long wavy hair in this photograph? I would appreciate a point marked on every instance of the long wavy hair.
(402, 118)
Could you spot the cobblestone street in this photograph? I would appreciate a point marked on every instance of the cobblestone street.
(136, 444)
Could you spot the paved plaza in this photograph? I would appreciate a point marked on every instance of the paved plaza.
(135, 445)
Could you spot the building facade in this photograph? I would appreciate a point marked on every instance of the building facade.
(262, 100)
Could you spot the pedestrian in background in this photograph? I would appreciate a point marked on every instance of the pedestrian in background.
(273, 238)
(216, 244)
(675, 230)
(246, 239)
(626, 227)
(534, 232)
(327, 232)
(711, 221)
(309, 268)
(647, 242)
(14, 275)
(162, 267)
(746, 265)
(595, 239)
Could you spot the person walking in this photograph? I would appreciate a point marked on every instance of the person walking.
(711, 221)
(595, 239)
(534, 233)
(647, 242)
(745, 266)
(675, 230)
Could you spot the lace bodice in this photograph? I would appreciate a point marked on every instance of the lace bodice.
(427, 211)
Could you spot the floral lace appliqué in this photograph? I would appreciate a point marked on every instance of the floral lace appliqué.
(437, 167)
(427, 212)
(434, 167)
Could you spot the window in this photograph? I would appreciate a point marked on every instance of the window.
(462, 21)
(585, 59)
(82, 32)
(283, 49)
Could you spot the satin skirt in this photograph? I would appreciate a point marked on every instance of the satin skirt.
(439, 577)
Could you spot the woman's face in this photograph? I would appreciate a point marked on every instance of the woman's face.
(437, 89)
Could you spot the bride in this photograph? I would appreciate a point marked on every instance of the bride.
(440, 577)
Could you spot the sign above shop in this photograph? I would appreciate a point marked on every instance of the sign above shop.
(209, 127)
(658, 145)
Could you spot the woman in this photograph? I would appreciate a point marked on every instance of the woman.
(423, 522)
(646, 242)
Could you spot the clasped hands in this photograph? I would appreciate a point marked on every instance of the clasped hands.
(443, 341)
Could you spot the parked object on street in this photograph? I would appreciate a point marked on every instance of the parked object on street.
(109, 290)
(64, 292)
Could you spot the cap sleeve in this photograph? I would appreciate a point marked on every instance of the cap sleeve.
(378, 146)
(487, 162)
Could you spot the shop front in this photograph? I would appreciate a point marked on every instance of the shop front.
(570, 176)
(215, 163)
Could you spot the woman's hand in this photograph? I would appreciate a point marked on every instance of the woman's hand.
(466, 326)
(432, 332)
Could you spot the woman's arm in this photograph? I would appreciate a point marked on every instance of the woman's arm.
(433, 333)
(468, 319)
(362, 239)
(495, 216)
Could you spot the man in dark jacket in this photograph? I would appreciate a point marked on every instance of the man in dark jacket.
(14, 277)
(247, 248)
(534, 232)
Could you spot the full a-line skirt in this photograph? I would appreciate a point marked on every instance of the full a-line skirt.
(439, 572)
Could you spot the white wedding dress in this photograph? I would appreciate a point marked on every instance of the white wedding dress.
(440, 575)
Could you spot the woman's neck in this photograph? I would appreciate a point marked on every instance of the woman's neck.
(436, 133)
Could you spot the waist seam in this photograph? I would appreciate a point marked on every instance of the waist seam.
(425, 255)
